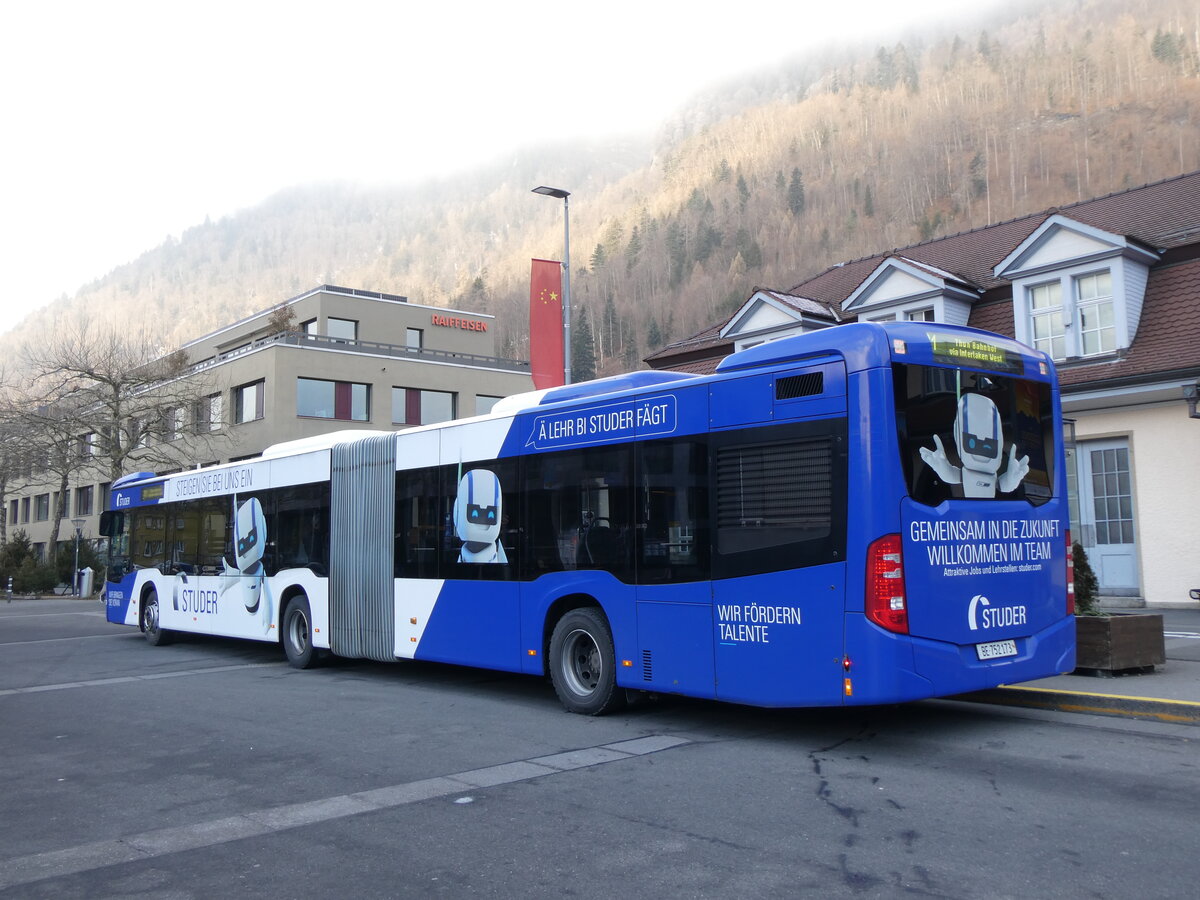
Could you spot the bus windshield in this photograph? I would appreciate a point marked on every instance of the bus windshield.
(974, 435)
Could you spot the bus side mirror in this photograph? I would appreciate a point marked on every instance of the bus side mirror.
(111, 523)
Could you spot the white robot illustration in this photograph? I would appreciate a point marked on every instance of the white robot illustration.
(477, 511)
(250, 539)
(980, 442)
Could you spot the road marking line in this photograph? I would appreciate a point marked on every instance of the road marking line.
(1036, 690)
(82, 637)
(150, 844)
(126, 679)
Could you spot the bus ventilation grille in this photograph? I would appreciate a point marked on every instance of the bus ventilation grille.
(647, 665)
(807, 385)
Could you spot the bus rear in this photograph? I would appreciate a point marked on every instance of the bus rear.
(965, 574)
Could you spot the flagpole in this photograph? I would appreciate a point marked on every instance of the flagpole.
(566, 267)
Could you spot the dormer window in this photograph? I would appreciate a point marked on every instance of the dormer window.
(1093, 294)
(1046, 319)
(902, 289)
(1077, 290)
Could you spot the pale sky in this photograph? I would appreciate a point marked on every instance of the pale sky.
(124, 122)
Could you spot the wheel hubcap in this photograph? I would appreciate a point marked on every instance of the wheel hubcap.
(583, 666)
(298, 632)
(152, 617)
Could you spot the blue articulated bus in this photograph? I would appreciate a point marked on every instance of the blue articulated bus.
(869, 513)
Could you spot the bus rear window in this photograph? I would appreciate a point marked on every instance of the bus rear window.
(973, 435)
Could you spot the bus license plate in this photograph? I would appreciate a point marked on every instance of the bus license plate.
(996, 649)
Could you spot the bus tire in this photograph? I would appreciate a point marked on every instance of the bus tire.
(151, 621)
(297, 634)
(583, 665)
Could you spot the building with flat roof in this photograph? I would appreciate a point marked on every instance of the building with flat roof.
(326, 360)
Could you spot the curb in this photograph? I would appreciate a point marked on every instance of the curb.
(1175, 712)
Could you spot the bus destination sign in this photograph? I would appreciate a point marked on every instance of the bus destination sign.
(956, 351)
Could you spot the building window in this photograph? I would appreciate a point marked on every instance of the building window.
(309, 327)
(177, 422)
(105, 494)
(920, 315)
(414, 338)
(13, 508)
(333, 400)
(24, 510)
(1046, 319)
(212, 410)
(341, 329)
(248, 402)
(83, 501)
(39, 552)
(85, 447)
(484, 404)
(66, 504)
(41, 507)
(413, 406)
(1097, 329)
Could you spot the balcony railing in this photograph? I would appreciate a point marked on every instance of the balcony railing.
(372, 348)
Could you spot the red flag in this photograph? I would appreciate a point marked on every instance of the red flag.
(545, 323)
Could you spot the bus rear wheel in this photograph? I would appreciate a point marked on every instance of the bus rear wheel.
(583, 663)
(152, 628)
(297, 634)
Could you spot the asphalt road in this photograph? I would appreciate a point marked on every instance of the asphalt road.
(208, 768)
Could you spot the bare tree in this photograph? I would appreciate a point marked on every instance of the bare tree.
(127, 402)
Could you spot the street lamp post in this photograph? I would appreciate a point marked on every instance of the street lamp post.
(78, 523)
(566, 265)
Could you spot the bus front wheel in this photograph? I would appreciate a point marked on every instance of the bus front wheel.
(583, 663)
(297, 634)
(156, 635)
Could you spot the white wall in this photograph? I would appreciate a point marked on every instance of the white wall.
(1165, 453)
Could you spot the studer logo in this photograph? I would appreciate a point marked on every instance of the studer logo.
(981, 614)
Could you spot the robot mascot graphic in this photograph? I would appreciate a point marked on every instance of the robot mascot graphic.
(477, 518)
(980, 442)
(247, 578)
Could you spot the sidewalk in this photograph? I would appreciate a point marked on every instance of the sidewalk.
(1171, 693)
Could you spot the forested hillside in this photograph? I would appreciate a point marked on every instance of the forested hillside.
(763, 182)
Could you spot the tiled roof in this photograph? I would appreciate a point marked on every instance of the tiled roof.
(1163, 216)
(801, 304)
(710, 339)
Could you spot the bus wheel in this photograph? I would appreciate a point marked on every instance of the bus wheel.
(297, 634)
(583, 663)
(156, 635)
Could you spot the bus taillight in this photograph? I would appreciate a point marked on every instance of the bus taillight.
(884, 603)
(1070, 575)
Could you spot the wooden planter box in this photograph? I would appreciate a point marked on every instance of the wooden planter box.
(1115, 645)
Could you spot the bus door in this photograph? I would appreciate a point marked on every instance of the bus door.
(779, 535)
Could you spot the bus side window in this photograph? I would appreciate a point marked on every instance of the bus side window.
(418, 524)
(215, 521)
(480, 517)
(580, 511)
(147, 537)
(297, 528)
(672, 522)
(183, 539)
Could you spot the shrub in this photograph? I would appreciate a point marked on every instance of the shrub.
(1087, 586)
